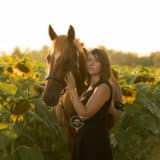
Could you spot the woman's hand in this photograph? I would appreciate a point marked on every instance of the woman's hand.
(72, 90)
(71, 85)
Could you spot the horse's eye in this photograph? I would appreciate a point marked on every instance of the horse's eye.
(49, 59)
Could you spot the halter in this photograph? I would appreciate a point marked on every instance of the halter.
(58, 81)
(54, 78)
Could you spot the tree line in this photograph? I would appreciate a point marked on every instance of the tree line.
(117, 57)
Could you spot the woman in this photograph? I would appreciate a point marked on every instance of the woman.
(92, 142)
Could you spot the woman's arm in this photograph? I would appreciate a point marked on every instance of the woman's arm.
(100, 95)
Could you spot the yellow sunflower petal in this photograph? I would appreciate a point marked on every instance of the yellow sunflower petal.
(3, 125)
(20, 118)
(13, 117)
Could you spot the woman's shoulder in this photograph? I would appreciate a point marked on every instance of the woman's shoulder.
(105, 84)
(103, 87)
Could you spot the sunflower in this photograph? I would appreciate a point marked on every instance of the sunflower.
(129, 99)
(129, 94)
(2, 68)
(36, 75)
(23, 67)
(9, 69)
(15, 118)
(19, 109)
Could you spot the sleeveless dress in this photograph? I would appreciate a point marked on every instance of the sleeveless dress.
(92, 141)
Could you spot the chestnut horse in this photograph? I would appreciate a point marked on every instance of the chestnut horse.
(67, 54)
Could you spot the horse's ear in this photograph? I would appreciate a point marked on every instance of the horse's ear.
(51, 33)
(71, 33)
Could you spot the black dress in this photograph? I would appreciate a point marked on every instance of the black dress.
(92, 142)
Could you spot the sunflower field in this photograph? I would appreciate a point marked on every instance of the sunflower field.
(29, 129)
(137, 134)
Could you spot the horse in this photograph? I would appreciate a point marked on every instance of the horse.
(67, 54)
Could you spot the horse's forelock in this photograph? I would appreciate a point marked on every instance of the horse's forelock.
(64, 46)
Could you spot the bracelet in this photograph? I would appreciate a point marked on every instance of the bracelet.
(76, 121)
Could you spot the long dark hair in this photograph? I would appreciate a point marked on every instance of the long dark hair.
(102, 57)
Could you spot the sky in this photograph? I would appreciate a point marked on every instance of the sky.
(125, 25)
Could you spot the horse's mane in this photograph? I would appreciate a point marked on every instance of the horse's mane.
(82, 58)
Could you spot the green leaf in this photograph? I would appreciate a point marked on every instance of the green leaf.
(10, 133)
(3, 126)
(13, 156)
(4, 141)
(153, 108)
(146, 121)
(29, 153)
(8, 88)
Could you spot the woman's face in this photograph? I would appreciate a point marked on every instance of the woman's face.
(93, 65)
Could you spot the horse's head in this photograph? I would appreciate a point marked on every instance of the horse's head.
(66, 54)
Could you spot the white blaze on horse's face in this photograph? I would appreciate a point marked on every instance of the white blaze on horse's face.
(56, 57)
(51, 50)
(52, 54)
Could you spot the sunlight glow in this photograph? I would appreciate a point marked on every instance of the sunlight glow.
(127, 25)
